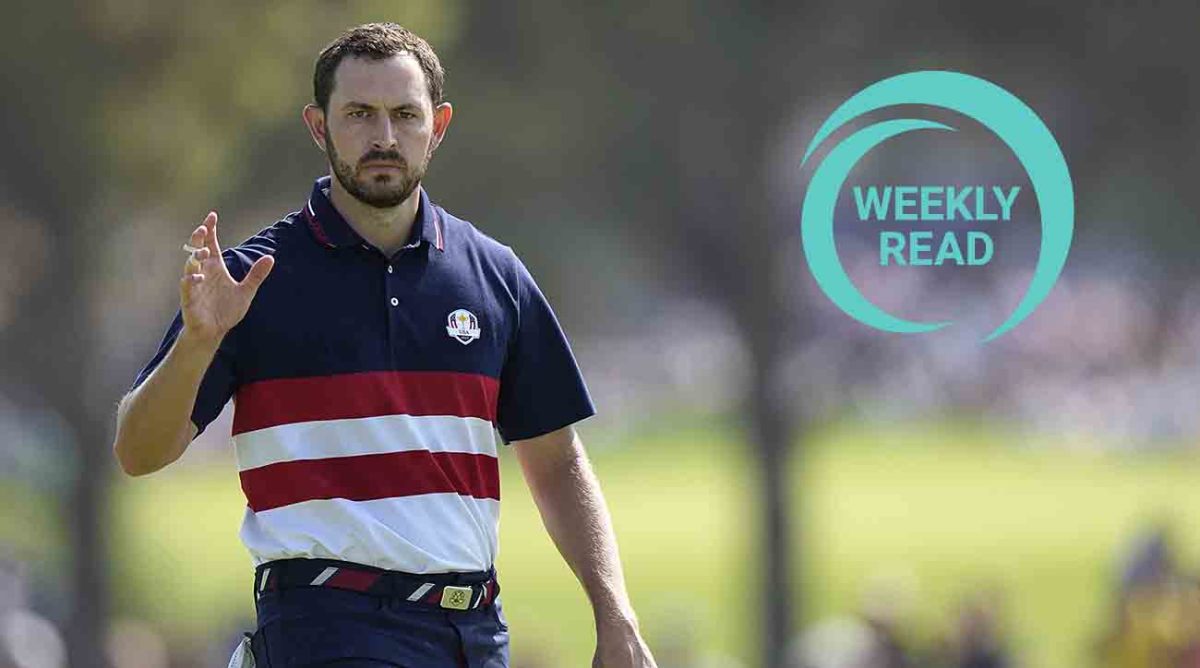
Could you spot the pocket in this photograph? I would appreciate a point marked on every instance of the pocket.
(243, 654)
(498, 614)
(313, 626)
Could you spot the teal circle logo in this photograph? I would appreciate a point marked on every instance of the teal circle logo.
(999, 111)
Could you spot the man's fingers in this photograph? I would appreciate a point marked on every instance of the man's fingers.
(258, 273)
(198, 255)
(197, 237)
(210, 237)
(188, 283)
(195, 261)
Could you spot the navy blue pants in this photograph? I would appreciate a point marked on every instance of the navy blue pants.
(311, 627)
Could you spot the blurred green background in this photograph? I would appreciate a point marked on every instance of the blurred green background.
(789, 488)
(930, 510)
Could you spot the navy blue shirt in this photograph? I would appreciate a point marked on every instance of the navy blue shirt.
(451, 301)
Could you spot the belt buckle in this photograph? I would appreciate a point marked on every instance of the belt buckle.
(456, 598)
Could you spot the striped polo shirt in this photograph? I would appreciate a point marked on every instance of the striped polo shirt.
(368, 390)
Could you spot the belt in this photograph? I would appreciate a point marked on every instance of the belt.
(454, 591)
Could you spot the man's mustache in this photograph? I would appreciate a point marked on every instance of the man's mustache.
(383, 156)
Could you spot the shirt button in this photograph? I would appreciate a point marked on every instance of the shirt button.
(389, 268)
(395, 302)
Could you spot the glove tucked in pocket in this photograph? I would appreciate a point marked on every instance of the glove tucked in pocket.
(242, 657)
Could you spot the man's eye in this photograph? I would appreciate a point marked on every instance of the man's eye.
(406, 114)
(359, 113)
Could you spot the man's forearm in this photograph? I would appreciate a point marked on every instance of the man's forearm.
(574, 512)
(154, 421)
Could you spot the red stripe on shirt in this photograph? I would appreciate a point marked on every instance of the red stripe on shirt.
(367, 477)
(270, 403)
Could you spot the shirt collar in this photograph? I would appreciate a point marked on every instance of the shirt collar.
(331, 230)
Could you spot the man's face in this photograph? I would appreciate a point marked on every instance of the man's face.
(380, 128)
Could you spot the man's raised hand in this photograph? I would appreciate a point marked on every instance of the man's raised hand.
(211, 301)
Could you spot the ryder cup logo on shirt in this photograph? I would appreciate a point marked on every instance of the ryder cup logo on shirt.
(463, 326)
(961, 220)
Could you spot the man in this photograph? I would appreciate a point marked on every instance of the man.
(368, 373)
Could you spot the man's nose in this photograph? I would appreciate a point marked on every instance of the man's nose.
(385, 136)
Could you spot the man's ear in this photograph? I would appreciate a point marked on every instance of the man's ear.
(441, 122)
(314, 118)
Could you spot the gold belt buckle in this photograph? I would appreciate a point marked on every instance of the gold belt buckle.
(456, 598)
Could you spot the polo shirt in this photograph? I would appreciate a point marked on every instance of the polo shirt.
(369, 390)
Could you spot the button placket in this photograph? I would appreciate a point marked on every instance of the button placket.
(388, 285)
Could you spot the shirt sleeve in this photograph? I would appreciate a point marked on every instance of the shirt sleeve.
(220, 380)
(541, 387)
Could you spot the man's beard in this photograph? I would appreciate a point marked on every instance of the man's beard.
(382, 191)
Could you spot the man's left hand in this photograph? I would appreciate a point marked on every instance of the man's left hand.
(621, 646)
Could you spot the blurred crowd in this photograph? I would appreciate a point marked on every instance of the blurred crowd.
(883, 634)
(1153, 622)
(1121, 383)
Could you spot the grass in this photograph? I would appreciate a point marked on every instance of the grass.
(938, 510)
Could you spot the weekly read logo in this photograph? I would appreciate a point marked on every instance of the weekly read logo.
(960, 214)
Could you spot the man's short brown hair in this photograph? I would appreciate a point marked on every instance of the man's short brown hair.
(376, 41)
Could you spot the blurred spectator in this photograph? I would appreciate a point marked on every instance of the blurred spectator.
(678, 641)
(27, 640)
(887, 607)
(842, 642)
(980, 640)
(136, 644)
(877, 638)
(1189, 656)
(1156, 622)
(1150, 560)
